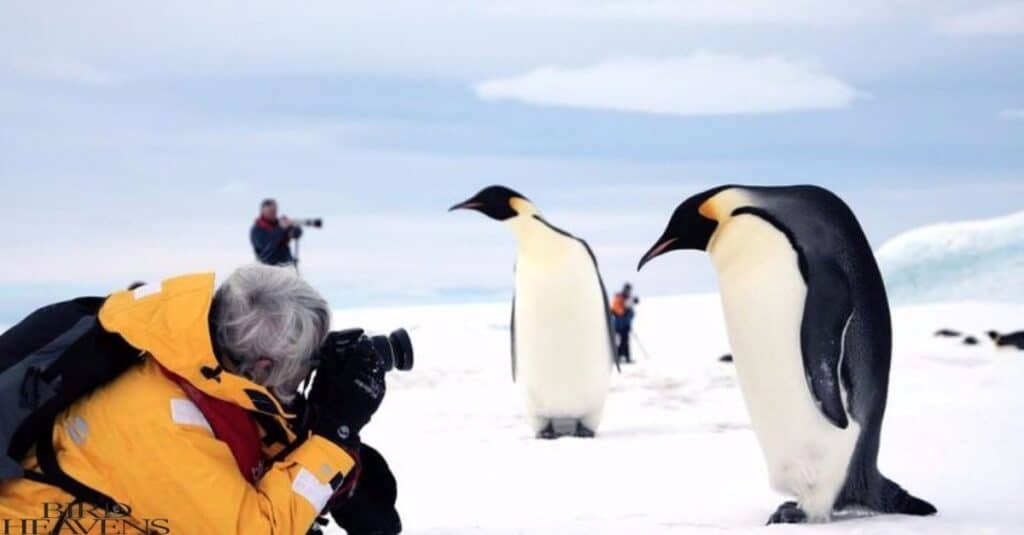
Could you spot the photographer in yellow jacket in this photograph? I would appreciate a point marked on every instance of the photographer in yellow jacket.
(205, 431)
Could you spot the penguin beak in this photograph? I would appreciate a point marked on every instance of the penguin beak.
(663, 246)
(467, 205)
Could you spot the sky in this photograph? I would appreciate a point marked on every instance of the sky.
(137, 138)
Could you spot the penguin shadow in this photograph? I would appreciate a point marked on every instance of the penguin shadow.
(859, 513)
(848, 514)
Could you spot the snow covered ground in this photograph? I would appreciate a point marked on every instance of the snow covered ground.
(675, 453)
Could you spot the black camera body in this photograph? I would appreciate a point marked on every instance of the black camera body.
(395, 349)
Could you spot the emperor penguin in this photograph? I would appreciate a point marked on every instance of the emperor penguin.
(808, 320)
(562, 345)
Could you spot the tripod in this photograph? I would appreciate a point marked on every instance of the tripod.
(636, 338)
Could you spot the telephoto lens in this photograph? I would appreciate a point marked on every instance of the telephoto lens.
(314, 222)
(395, 350)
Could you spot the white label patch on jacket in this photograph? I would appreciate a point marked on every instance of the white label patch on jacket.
(310, 488)
(77, 429)
(185, 412)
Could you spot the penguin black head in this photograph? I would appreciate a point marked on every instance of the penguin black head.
(496, 202)
(690, 226)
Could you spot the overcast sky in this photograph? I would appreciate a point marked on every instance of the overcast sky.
(136, 137)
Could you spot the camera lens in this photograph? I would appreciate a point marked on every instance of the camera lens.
(401, 346)
(382, 346)
(395, 350)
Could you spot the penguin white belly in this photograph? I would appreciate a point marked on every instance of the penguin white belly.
(763, 296)
(563, 353)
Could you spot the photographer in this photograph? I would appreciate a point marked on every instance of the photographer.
(271, 237)
(199, 437)
(622, 310)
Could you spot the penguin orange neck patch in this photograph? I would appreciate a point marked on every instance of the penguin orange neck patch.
(721, 206)
(522, 206)
(709, 209)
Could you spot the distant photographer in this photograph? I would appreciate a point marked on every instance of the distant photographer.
(271, 236)
(198, 424)
(623, 310)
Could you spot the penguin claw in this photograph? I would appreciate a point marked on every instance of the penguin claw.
(788, 513)
(583, 432)
(548, 433)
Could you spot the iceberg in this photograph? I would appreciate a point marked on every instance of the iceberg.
(970, 260)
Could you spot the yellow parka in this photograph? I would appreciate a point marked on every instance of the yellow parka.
(142, 442)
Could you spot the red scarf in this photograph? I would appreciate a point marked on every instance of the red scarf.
(232, 425)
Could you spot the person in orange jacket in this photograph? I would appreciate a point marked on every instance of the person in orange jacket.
(622, 321)
(207, 434)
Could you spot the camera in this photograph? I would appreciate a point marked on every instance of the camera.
(395, 349)
(314, 222)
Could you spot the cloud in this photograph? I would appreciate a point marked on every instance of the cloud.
(698, 84)
(742, 12)
(1012, 114)
(998, 19)
(468, 38)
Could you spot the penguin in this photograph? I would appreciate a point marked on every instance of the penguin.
(562, 342)
(1009, 340)
(808, 321)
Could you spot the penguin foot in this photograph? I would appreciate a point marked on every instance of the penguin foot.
(548, 433)
(788, 513)
(583, 432)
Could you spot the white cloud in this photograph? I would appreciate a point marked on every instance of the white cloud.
(801, 12)
(998, 19)
(469, 38)
(698, 84)
(1011, 114)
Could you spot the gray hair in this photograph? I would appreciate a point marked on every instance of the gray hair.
(267, 312)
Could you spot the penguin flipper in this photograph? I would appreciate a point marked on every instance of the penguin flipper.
(607, 307)
(513, 329)
(828, 309)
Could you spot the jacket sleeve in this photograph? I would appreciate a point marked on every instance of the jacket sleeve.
(265, 242)
(211, 496)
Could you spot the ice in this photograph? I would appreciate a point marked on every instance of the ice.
(957, 261)
(675, 453)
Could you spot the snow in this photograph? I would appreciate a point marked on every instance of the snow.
(675, 453)
(957, 261)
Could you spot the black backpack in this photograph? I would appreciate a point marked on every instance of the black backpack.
(53, 357)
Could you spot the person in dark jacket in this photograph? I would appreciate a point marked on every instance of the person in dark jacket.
(622, 321)
(271, 237)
